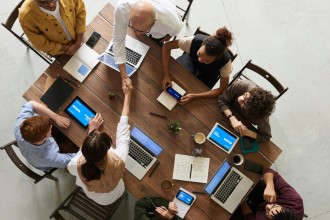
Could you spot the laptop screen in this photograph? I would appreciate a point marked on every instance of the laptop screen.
(218, 177)
(223, 138)
(146, 141)
(109, 60)
(80, 112)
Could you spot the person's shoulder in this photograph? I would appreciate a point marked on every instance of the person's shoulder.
(26, 8)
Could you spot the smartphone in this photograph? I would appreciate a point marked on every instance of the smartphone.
(252, 166)
(93, 39)
(173, 93)
(184, 197)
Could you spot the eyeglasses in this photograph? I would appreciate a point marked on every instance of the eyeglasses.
(145, 32)
(45, 2)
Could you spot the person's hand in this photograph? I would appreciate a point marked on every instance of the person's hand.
(236, 124)
(187, 98)
(127, 85)
(164, 212)
(62, 122)
(95, 122)
(269, 194)
(172, 207)
(73, 47)
(243, 130)
(166, 82)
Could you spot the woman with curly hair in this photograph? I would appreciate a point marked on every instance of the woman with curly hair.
(253, 103)
(204, 56)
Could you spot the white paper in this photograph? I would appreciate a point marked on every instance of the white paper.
(182, 207)
(167, 100)
(199, 167)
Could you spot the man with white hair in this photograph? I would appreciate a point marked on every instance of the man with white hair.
(158, 18)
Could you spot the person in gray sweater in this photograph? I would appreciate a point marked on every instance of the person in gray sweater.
(251, 102)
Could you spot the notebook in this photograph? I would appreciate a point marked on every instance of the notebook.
(135, 53)
(82, 62)
(142, 154)
(57, 93)
(228, 187)
(169, 100)
(223, 138)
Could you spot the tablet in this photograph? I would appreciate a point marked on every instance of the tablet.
(79, 111)
(223, 138)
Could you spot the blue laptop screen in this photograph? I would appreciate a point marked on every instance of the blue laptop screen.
(109, 60)
(220, 174)
(223, 138)
(146, 141)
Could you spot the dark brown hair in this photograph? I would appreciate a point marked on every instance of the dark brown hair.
(94, 149)
(215, 45)
(35, 128)
(261, 103)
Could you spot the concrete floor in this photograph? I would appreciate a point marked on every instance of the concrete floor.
(287, 38)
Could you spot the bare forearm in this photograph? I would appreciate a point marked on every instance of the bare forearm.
(269, 179)
(166, 54)
(43, 110)
(122, 70)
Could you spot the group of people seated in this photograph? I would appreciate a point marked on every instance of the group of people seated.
(57, 26)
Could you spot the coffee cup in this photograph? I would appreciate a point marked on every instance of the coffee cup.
(166, 185)
(238, 159)
(199, 138)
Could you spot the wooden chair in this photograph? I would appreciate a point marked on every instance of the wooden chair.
(25, 169)
(80, 206)
(264, 74)
(232, 55)
(9, 26)
(185, 12)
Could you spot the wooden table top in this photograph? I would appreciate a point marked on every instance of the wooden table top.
(197, 116)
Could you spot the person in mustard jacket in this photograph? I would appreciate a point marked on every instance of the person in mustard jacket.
(54, 26)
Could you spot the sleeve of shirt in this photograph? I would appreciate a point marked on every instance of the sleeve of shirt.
(40, 41)
(27, 111)
(61, 160)
(185, 43)
(80, 17)
(226, 70)
(122, 14)
(264, 130)
(123, 138)
(227, 97)
(72, 166)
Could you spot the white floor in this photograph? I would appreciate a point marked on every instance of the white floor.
(287, 38)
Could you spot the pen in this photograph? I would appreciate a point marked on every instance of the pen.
(196, 192)
(162, 116)
(151, 202)
(153, 170)
(190, 171)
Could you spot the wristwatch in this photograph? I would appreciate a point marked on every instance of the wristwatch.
(229, 116)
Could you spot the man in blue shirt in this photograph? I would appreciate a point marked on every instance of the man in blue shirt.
(33, 136)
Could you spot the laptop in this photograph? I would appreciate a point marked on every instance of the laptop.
(223, 138)
(228, 187)
(135, 53)
(142, 154)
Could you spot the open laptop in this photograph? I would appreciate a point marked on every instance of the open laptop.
(223, 138)
(228, 187)
(135, 53)
(142, 154)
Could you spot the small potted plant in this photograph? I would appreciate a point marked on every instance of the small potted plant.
(174, 127)
(111, 95)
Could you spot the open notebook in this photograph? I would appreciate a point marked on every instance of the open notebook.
(168, 100)
(82, 63)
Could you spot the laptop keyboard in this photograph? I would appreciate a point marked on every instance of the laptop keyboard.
(131, 56)
(139, 155)
(228, 186)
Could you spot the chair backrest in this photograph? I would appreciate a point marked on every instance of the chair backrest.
(25, 169)
(79, 205)
(264, 74)
(185, 11)
(9, 26)
(232, 55)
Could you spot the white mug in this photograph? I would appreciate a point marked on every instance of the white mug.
(238, 159)
(199, 138)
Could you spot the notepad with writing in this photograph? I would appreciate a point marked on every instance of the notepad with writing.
(167, 100)
(82, 63)
(190, 168)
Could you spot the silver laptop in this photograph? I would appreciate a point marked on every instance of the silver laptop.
(228, 187)
(135, 53)
(142, 154)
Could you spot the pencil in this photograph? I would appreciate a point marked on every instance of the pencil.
(153, 170)
(161, 116)
(190, 171)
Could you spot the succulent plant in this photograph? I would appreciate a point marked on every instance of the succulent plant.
(174, 127)
(112, 95)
